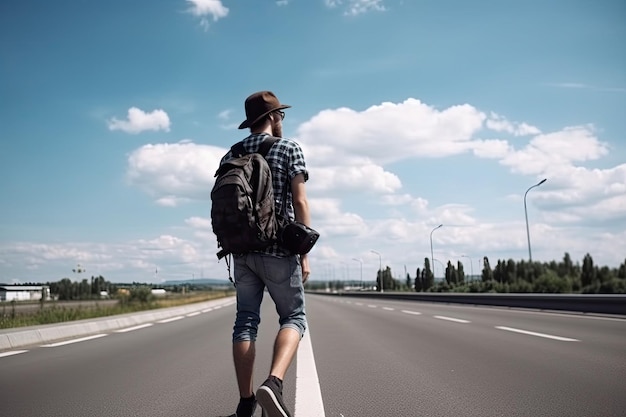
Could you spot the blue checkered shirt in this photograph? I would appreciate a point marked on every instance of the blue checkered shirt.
(286, 160)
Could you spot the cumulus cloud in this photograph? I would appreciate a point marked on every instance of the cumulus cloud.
(499, 123)
(413, 128)
(139, 121)
(204, 9)
(549, 152)
(174, 172)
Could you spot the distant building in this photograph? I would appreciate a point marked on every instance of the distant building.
(24, 292)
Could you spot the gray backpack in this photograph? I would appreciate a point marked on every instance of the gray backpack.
(243, 213)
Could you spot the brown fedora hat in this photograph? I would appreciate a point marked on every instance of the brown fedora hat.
(259, 105)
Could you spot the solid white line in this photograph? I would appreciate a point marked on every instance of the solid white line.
(451, 319)
(171, 319)
(547, 336)
(388, 308)
(195, 313)
(68, 342)
(130, 329)
(415, 313)
(14, 352)
(309, 401)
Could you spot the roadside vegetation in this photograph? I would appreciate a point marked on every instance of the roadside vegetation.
(506, 276)
(71, 301)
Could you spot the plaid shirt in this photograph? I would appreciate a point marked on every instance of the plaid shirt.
(286, 160)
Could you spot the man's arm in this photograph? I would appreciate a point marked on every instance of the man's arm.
(300, 202)
(301, 209)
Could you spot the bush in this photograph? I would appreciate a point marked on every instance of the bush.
(550, 282)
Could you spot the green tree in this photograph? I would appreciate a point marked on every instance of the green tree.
(487, 273)
(428, 278)
(460, 273)
(588, 276)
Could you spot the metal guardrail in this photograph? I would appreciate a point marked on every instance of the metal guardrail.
(581, 303)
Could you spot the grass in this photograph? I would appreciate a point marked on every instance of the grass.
(9, 318)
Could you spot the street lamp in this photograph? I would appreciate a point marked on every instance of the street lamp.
(380, 268)
(361, 262)
(471, 265)
(432, 257)
(530, 256)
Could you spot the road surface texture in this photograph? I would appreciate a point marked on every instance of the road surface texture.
(363, 357)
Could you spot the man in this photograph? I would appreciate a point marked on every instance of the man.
(276, 269)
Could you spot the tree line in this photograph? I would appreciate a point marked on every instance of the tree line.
(506, 276)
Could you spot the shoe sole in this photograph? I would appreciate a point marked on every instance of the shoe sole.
(269, 403)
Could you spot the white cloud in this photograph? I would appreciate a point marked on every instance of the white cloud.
(499, 123)
(548, 153)
(174, 172)
(139, 121)
(356, 7)
(205, 8)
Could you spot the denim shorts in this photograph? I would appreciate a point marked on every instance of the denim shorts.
(282, 276)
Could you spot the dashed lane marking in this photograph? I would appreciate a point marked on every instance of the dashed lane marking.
(130, 329)
(388, 308)
(451, 319)
(415, 313)
(11, 353)
(527, 332)
(80, 339)
(171, 319)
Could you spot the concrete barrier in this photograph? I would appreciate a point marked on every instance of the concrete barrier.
(581, 303)
(36, 335)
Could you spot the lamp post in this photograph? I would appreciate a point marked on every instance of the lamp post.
(432, 257)
(471, 265)
(380, 268)
(530, 256)
(361, 262)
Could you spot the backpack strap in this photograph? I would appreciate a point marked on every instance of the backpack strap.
(266, 145)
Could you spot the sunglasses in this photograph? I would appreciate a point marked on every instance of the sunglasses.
(281, 114)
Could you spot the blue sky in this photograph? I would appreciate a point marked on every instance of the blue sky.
(411, 114)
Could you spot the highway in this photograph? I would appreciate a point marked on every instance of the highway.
(371, 358)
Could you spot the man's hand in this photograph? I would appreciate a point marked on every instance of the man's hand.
(306, 269)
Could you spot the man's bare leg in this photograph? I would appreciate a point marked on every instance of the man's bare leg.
(243, 355)
(285, 347)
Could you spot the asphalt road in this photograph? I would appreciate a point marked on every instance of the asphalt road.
(373, 358)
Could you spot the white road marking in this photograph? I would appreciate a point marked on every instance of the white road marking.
(171, 319)
(451, 319)
(308, 392)
(69, 342)
(11, 353)
(217, 307)
(359, 304)
(371, 306)
(130, 329)
(388, 308)
(415, 313)
(207, 310)
(195, 313)
(547, 336)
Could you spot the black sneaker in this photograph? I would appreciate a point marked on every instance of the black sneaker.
(246, 407)
(270, 398)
